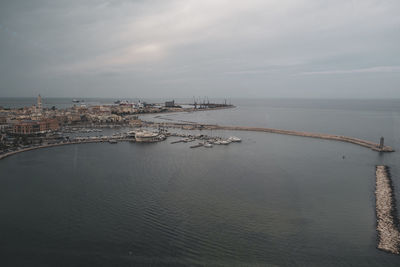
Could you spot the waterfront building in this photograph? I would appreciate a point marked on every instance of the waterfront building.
(28, 127)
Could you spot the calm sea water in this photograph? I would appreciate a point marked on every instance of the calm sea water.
(270, 200)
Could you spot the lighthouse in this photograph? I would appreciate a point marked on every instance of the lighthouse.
(381, 143)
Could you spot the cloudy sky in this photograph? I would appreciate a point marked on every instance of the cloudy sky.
(215, 48)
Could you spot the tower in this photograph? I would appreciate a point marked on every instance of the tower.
(381, 143)
(39, 103)
(39, 107)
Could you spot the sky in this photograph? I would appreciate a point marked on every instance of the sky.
(213, 48)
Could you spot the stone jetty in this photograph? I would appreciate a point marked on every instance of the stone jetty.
(387, 221)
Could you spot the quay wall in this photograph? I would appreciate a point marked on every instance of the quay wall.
(60, 144)
(387, 221)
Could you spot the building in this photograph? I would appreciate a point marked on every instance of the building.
(28, 127)
(3, 119)
(38, 109)
(170, 104)
(39, 103)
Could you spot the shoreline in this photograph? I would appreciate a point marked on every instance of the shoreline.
(6, 155)
(387, 222)
(193, 126)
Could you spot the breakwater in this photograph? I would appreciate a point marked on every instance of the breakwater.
(387, 221)
(341, 138)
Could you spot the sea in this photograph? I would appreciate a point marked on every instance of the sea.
(271, 200)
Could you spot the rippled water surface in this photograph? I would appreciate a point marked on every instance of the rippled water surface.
(270, 200)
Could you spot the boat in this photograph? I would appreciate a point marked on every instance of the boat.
(224, 142)
(131, 133)
(208, 145)
(75, 101)
(146, 137)
(234, 139)
(198, 145)
(112, 141)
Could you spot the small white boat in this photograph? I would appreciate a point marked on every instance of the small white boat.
(208, 145)
(224, 142)
(234, 139)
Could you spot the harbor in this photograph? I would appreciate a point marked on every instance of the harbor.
(145, 136)
(137, 136)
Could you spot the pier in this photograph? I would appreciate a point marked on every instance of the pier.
(364, 143)
(387, 221)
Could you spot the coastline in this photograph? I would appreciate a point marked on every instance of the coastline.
(193, 126)
(8, 154)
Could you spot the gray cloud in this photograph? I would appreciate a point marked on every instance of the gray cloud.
(275, 48)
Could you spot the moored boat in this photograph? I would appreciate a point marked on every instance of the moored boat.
(146, 137)
(234, 139)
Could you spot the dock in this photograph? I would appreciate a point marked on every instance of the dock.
(387, 221)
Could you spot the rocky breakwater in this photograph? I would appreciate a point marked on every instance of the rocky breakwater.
(387, 221)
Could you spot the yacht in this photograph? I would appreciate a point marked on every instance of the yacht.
(224, 142)
(234, 139)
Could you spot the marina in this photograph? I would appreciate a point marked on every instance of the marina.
(138, 135)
